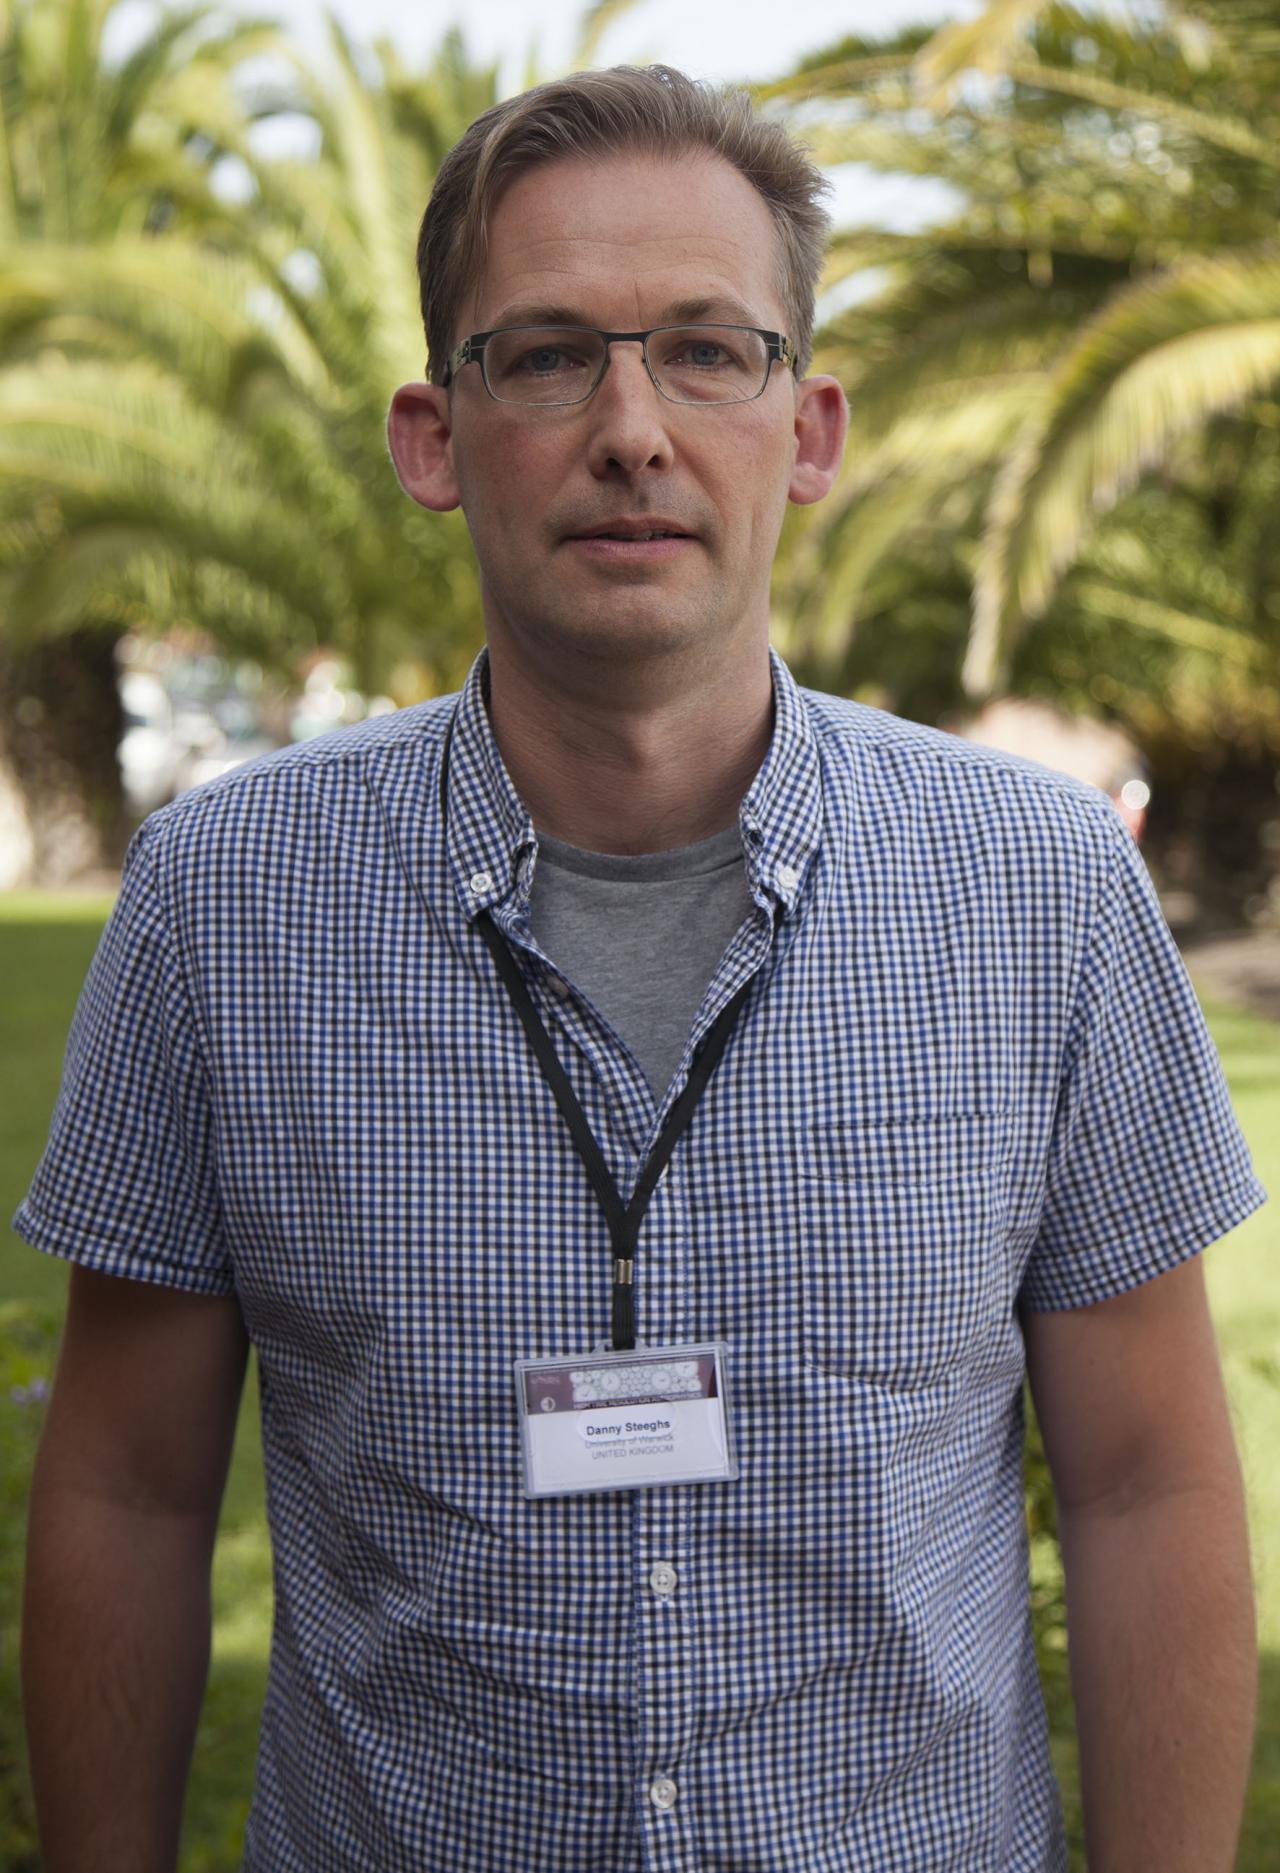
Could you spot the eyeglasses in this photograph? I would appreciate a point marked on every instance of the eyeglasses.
(558, 364)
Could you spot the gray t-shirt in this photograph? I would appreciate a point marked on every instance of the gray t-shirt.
(641, 936)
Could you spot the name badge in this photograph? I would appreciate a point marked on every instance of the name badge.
(635, 1420)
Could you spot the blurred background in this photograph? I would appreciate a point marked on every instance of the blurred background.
(1053, 298)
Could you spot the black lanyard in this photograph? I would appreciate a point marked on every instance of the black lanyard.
(624, 1220)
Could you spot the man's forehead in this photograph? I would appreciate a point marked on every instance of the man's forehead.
(692, 230)
(681, 282)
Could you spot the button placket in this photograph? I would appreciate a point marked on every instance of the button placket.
(663, 1530)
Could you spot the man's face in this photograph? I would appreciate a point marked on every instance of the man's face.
(625, 244)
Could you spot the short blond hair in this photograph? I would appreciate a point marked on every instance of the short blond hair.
(653, 111)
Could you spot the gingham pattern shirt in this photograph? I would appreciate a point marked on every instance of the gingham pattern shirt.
(970, 1075)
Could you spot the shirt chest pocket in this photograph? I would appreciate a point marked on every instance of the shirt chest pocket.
(903, 1246)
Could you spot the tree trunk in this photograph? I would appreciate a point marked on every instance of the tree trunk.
(62, 810)
(1214, 834)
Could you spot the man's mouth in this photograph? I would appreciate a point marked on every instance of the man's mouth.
(660, 533)
(629, 531)
(628, 548)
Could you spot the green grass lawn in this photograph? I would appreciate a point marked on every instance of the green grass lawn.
(45, 946)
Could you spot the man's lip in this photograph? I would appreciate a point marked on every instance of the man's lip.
(632, 530)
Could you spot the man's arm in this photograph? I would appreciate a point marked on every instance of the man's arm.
(116, 1621)
(1162, 1638)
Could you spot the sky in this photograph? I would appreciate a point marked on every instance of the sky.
(707, 38)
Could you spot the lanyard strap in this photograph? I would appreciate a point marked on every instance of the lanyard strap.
(624, 1220)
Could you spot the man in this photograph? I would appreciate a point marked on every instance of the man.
(637, 1071)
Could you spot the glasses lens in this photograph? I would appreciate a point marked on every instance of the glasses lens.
(709, 363)
(543, 364)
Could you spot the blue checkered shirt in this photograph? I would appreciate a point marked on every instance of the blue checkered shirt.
(970, 1076)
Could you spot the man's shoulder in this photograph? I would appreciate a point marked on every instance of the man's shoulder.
(901, 761)
(265, 798)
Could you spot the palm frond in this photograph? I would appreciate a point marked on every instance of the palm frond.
(954, 428)
(846, 68)
(1218, 129)
(1155, 364)
(981, 44)
(379, 206)
(174, 302)
(827, 591)
(178, 42)
(1186, 630)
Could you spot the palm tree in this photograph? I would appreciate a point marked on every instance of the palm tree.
(192, 427)
(1100, 310)
(92, 149)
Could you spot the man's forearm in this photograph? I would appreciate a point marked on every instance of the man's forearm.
(1163, 1661)
(115, 1656)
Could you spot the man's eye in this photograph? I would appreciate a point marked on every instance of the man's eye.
(695, 351)
(547, 360)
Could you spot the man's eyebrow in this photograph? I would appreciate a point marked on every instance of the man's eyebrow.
(722, 307)
(540, 315)
(679, 312)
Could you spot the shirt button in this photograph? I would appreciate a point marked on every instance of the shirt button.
(662, 1792)
(788, 877)
(481, 881)
(662, 1578)
(559, 988)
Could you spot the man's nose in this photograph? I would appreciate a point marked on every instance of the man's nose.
(628, 416)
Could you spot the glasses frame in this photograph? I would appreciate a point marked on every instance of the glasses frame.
(473, 350)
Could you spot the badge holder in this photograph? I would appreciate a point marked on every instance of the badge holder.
(641, 1419)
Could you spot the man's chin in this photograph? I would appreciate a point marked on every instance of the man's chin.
(627, 634)
(622, 626)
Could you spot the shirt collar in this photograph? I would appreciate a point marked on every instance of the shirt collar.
(491, 839)
(490, 834)
(781, 815)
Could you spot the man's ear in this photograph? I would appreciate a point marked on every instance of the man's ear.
(420, 437)
(822, 423)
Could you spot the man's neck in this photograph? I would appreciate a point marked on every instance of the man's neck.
(644, 763)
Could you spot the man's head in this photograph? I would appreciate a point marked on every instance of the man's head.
(622, 240)
(656, 112)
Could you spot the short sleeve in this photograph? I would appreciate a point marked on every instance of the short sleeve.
(1146, 1163)
(127, 1184)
